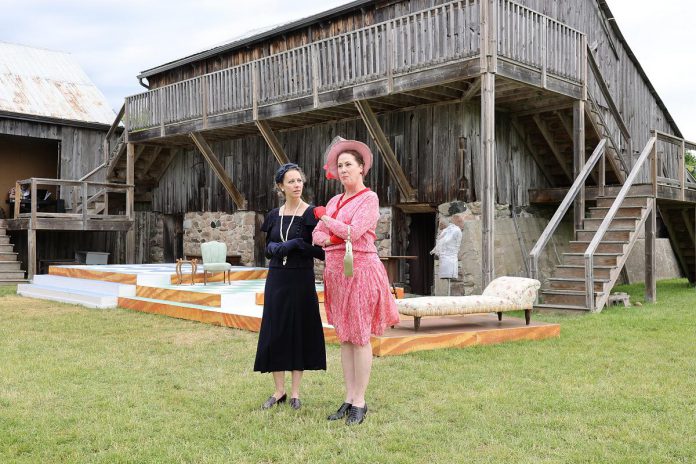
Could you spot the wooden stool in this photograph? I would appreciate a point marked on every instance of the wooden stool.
(194, 266)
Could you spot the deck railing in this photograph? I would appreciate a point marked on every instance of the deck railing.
(74, 195)
(669, 164)
(443, 34)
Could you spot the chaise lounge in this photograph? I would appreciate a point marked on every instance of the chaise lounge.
(501, 295)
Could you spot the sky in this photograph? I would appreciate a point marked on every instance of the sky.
(115, 40)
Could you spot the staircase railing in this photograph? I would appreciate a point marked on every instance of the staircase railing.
(112, 142)
(575, 189)
(648, 152)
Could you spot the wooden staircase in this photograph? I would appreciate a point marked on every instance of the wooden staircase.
(566, 288)
(10, 267)
(151, 162)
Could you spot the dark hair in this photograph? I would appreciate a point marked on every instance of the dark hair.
(358, 157)
(280, 173)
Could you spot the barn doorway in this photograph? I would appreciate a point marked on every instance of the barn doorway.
(173, 237)
(421, 239)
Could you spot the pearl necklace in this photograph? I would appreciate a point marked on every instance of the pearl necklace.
(287, 233)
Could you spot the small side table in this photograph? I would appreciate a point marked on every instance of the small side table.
(194, 267)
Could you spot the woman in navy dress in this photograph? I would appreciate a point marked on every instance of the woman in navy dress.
(291, 336)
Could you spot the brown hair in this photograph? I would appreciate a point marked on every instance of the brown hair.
(277, 189)
(358, 157)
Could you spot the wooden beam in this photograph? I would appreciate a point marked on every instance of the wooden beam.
(390, 160)
(148, 164)
(565, 121)
(552, 145)
(130, 180)
(272, 141)
(530, 148)
(579, 161)
(472, 90)
(488, 178)
(219, 170)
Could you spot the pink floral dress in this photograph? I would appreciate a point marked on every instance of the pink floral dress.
(360, 305)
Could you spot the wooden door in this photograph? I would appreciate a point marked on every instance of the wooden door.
(421, 241)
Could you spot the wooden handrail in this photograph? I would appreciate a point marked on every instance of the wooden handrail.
(604, 226)
(575, 189)
(604, 88)
(92, 172)
(48, 181)
(117, 121)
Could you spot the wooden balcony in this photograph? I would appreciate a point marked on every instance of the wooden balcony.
(431, 55)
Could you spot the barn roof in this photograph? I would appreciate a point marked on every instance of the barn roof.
(49, 84)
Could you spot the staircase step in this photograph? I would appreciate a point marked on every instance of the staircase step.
(13, 266)
(11, 276)
(613, 234)
(624, 211)
(93, 286)
(6, 248)
(605, 246)
(627, 223)
(574, 283)
(600, 272)
(638, 200)
(566, 297)
(8, 256)
(599, 259)
(83, 298)
(551, 307)
(4, 240)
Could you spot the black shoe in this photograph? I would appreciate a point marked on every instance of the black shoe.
(272, 400)
(295, 403)
(356, 415)
(341, 412)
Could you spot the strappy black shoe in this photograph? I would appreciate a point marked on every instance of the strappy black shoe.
(272, 400)
(341, 412)
(356, 415)
(295, 403)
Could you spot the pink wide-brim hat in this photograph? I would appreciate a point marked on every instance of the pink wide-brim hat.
(339, 145)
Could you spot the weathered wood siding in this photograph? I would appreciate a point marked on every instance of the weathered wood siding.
(81, 148)
(426, 142)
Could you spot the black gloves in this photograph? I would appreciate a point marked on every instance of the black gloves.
(281, 249)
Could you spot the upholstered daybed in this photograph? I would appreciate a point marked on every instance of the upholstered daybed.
(501, 295)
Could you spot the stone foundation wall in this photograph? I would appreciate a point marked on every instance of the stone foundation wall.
(514, 238)
(238, 230)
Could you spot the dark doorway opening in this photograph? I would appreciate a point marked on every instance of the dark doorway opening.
(173, 237)
(420, 241)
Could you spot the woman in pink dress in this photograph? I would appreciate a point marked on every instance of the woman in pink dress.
(362, 304)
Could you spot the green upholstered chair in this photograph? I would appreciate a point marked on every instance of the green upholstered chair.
(215, 260)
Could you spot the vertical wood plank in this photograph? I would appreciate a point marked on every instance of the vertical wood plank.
(31, 252)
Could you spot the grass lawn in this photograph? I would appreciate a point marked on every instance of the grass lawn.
(80, 385)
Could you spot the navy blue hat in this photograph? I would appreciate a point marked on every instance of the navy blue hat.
(280, 173)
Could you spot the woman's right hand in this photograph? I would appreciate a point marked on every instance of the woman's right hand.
(319, 211)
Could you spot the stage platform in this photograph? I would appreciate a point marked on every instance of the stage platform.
(240, 305)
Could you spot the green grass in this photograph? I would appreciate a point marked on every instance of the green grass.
(79, 385)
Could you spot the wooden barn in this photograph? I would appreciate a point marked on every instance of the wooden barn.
(53, 127)
(480, 112)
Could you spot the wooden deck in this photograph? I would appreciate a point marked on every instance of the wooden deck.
(429, 56)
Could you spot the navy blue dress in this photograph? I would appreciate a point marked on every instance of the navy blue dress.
(291, 336)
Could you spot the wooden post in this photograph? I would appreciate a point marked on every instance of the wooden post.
(315, 75)
(272, 142)
(650, 263)
(254, 91)
(130, 203)
(18, 199)
(682, 169)
(219, 170)
(33, 202)
(579, 160)
(31, 251)
(390, 160)
(489, 54)
(653, 165)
